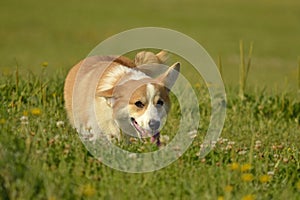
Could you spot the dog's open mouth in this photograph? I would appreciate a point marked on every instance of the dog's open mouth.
(144, 133)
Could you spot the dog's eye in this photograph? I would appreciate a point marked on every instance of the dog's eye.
(139, 104)
(160, 102)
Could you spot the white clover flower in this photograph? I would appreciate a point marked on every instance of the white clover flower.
(243, 152)
(164, 138)
(258, 142)
(225, 140)
(192, 134)
(213, 144)
(132, 156)
(60, 123)
(24, 120)
(271, 173)
(176, 148)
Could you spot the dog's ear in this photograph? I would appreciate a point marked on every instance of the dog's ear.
(105, 93)
(108, 95)
(169, 78)
(162, 56)
(151, 66)
(147, 57)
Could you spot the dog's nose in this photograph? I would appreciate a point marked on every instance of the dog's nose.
(153, 124)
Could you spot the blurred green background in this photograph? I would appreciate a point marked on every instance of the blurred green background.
(63, 32)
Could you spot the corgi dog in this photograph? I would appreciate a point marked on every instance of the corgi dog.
(120, 95)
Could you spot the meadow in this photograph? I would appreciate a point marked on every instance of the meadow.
(257, 155)
(42, 157)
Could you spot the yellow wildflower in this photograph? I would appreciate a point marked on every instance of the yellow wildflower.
(247, 177)
(45, 64)
(36, 111)
(88, 190)
(298, 185)
(248, 197)
(245, 167)
(198, 85)
(2, 121)
(220, 198)
(264, 178)
(228, 188)
(25, 113)
(234, 166)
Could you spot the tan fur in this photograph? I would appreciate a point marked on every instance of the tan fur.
(146, 57)
(85, 65)
(140, 95)
(91, 80)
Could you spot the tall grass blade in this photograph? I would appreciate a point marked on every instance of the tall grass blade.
(242, 70)
(299, 74)
(17, 76)
(249, 61)
(220, 64)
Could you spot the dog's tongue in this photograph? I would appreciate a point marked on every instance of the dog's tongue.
(142, 132)
(154, 137)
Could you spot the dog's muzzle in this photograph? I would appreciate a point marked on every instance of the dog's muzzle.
(154, 125)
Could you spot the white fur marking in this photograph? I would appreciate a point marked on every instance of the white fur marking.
(114, 75)
(151, 112)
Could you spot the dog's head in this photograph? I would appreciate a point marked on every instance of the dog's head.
(150, 102)
(141, 105)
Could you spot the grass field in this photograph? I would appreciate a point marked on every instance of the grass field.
(61, 33)
(258, 154)
(43, 158)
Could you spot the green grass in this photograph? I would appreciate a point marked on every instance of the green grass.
(41, 159)
(258, 156)
(62, 33)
